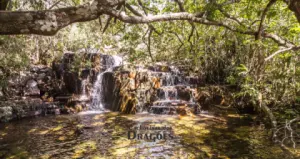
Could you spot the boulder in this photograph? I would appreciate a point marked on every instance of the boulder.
(41, 76)
(27, 107)
(6, 114)
(72, 82)
(31, 88)
(184, 93)
(108, 81)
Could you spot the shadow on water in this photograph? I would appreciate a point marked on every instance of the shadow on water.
(105, 136)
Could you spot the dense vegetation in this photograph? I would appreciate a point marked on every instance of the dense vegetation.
(249, 44)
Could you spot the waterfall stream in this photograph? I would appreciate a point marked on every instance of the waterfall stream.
(175, 93)
(84, 95)
(97, 95)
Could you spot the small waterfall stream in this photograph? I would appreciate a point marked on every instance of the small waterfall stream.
(109, 62)
(84, 95)
(174, 94)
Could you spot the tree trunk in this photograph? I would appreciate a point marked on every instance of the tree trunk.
(294, 5)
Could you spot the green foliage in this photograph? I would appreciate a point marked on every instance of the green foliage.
(12, 57)
(218, 55)
(79, 62)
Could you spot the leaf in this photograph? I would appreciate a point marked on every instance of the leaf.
(295, 29)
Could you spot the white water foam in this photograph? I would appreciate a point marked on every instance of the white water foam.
(97, 94)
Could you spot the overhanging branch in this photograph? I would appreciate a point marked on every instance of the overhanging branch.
(263, 17)
(281, 51)
(48, 22)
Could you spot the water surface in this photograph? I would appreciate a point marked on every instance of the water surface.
(105, 135)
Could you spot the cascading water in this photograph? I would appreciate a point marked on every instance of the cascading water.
(83, 95)
(98, 89)
(175, 93)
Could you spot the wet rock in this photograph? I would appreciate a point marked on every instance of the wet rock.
(17, 80)
(213, 96)
(145, 85)
(193, 80)
(35, 68)
(184, 93)
(85, 73)
(27, 107)
(68, 57)
(204, 98)
(31, 88)
(45, 70)
(1, 93)
(72, 82)
(6, 114)
(57, 111)
(160, 68)
(41, 76)
(108, 81)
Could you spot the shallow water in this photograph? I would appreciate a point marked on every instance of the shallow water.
(105, 135)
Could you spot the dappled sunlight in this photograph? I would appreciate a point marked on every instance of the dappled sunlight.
(2, 134)
(59, 127)
(32, 130)
(62, 138)
(105, 136)
(97, 117)
(98, 123)
(125, 151)
(213, 79)
(43, 132)
(84, 148)
(18, 152)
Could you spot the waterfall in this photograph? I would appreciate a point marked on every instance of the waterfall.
(109, 62)
(83, 95)
(175, 93)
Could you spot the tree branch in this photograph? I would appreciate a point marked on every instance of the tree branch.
(281, 51)
(149, 44)
(181, 42)
(289, 133)
(145, 8)
(279, 40)
(263, 17)
(230, 2)
(294, 6)
(107, 24)
(181, 8)
(180, 4)
(170, 17)
(190, 17)
(135, 12)
(190, 36)
(230, 16)
(55, 4)
(46, 22)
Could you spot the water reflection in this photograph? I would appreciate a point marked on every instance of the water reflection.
(105, 135)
